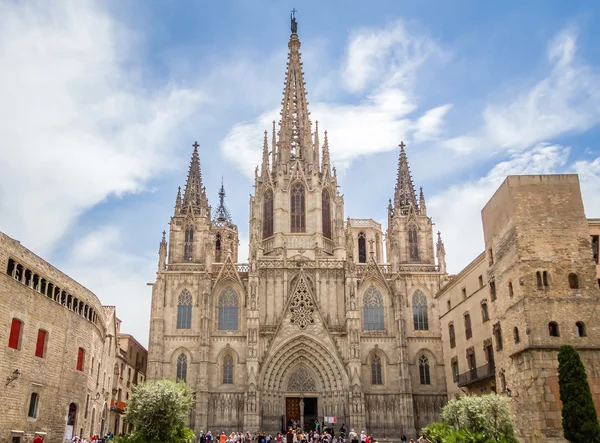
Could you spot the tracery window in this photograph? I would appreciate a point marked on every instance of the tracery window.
(298, 219)
(184, 310)
(326, 214)
(218, 248)
(268, 213)
(413, 244)
(228, 370)
(301, 381)
(362, 247)
(424, 375)
(420, 319)
(228, 310)
(373, 310)
(188, 244)
(182, 367)
(376, 378)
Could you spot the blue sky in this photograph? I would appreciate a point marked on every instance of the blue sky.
(101, 102)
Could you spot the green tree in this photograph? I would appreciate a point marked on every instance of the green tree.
(579, 420)
(158, 412)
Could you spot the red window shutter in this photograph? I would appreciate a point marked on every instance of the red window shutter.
(41, 343)
(80, 357)
(15, 334)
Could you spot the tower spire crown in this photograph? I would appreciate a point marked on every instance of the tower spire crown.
(404, 194)
(265, 158)
(194, 196)
(326, 160)
(222, 213)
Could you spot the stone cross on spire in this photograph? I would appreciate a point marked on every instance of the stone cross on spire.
(404, 194)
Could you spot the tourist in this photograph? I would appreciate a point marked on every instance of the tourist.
(38, 439)
(353, 436)
(403, 438)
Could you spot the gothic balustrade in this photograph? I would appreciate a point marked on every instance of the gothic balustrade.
(364, 222)
(223, 224)
(476, 374)
(185, 267)
(328, 246)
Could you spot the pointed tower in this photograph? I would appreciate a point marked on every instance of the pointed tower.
(326, 169)
(194, 197)
(224, 233)
(422, 205)
(404, 195)
(441, 253)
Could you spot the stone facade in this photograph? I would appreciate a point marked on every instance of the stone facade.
(317, 324)
(58, 351)
(540, 283)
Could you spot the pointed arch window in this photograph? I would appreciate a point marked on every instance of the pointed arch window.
(362, 247)
(373, 310)
(268, 213)
(326, 214)
(228, 370)
(376, 378)
(228, 310)
(424, 375)
(218, 248)
(297, 208)
(184, 310)
(420, 318)
(188, 243)
(413, 244)
(182, 362)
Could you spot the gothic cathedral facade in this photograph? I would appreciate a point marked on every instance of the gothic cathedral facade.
(321, 322)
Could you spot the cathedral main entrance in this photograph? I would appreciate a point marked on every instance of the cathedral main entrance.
(301, 412)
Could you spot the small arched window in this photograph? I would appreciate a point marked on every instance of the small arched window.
(362, 247)
(413, 244)
(184, 310)
(373, 310)
(182, 362)
(516, 335)
(546, 279)
(580, 329)
(553, 329)
(498, 336)
(452, 335)
(228, 370)
(424, 376)
(188, 243)
(502, 382)
(218, 248)
(298, 219)
(510, 289)
(326, 213)
(268, 213)
(228, 310)
(538, 280)
(72, 417)
(573, 281)
(376, 378)
(420, 319)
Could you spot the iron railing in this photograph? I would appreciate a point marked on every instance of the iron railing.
(476, 374)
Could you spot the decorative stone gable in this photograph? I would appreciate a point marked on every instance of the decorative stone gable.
(302, 307)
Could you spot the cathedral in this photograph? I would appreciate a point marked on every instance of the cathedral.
(332, 319)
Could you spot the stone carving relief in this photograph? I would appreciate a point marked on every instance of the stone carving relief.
(302, 307)
(301, 381)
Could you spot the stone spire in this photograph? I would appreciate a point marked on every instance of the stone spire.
(194, 196)
(222, 213)
(422, 205)
(273, 147)
(178, 201)
(264, 170)
(441, 253)
(326, 160)
(295, 138)
(404, 194)
(316, 146)
(162, 252)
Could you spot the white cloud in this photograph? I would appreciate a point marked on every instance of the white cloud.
(78, 123)
(430, 125)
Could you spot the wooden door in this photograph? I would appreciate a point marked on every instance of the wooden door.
(292, 410)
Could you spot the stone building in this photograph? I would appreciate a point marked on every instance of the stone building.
(534, 288)
(318, 324)
(129, 370)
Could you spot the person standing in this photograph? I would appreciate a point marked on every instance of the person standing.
(38, 439)
(353, 436)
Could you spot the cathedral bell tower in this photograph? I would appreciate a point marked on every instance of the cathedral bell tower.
(296, 208)
(409, 235)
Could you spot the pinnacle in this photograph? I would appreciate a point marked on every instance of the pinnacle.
(194, 195)
(404, 195)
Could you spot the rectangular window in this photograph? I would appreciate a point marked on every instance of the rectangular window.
(595, 240)
(492, 290)
(40, 346)
(455, 370)
(87, 404)
(14, 341)
(484, 312)
(481, 281)
(80, 359)
(468, 331)
(491, 257)
(33, 404)
(464, 293)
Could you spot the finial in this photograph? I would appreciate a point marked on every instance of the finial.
(294, 23)
(195, 145)
(439, 236)
(164, 236)
(402, 146)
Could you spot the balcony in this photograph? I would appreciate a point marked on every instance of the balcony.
(476, 375)
(117, 405)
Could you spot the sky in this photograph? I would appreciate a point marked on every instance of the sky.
(100, 103)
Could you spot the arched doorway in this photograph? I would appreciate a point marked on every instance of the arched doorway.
(71, 421)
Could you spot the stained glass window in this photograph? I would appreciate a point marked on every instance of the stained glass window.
(297, 208)
(182, 367)
(184, 310)
(420, 318)
(228, 310)
(424, 370)
(376, 378)
(373, 310)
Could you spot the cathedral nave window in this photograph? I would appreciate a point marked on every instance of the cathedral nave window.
(182, 367)
(228, 370)
(268, 214)
(373, 310)
(189, 241)
(228, 310)
(298, 219)
(413, 244)
(424, 375)
(326, 214)
(362, 247)
(420, 318)
(184, 310)
(218, 248)
(376, 378)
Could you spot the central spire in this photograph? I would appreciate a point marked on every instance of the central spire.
(194, 196)
(295, 135)
(404, 195)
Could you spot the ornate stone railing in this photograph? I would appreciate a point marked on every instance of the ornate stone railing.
(185, 267)
(223, 224)
(268, 245)
(328, 246)
(366, 222)
(476, 374)
(417, 267)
